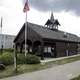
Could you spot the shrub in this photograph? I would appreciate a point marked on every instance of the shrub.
(21, 59)
(8, 50)
(6, 59)
(32, 59)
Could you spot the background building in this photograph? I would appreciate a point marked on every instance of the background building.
(6, 41)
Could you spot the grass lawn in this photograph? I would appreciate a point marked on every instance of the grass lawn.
(76, 78)
(9, 71)
(25, 68)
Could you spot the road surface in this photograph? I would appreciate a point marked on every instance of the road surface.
(61, 72)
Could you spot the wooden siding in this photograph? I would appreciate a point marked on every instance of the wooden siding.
(61, 48)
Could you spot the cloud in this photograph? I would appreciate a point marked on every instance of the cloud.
(56, 5)
(13, 17)
(1, 2)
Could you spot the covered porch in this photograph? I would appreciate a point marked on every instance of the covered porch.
(43, 49)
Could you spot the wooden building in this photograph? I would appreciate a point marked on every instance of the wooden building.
(47, 41)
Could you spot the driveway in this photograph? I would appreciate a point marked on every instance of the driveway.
(62, 72)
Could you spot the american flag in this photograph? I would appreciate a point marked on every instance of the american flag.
(26, 6)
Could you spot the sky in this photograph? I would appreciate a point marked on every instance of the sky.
(66, 11)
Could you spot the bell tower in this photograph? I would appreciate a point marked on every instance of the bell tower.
(52, 23)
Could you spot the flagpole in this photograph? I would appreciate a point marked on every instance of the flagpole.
(1, 37)
(26, 36)
(25, 9)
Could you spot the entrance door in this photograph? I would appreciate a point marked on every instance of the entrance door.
(49, 51)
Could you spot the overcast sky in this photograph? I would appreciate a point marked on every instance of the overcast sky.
(66, 11)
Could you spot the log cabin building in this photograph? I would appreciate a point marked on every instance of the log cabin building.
(47, 41)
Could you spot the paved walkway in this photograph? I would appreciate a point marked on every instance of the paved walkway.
(62, 72)
(54, 59)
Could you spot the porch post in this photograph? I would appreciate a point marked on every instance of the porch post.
(55, 52)
(42, 50)
(21, 47)
(32, 48)
(28, 48)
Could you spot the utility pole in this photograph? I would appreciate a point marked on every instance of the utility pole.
(15, 58)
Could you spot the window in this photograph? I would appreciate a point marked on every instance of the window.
(47, 49)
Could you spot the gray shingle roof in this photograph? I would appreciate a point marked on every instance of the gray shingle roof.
(50, 34)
